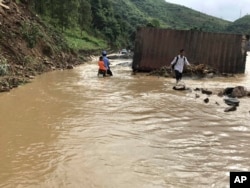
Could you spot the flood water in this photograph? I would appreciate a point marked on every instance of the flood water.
(71, 129)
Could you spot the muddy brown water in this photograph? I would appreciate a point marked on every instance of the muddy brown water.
(70, 129)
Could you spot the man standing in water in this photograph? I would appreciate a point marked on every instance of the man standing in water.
(178, 64)
(106, 62)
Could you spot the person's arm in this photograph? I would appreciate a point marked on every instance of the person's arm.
(173, 61)
(186, 62)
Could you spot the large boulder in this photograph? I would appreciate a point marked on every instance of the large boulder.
(239, 92)
(228, 91)
(235, 92)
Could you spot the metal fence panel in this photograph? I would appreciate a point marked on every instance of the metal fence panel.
(155, 48)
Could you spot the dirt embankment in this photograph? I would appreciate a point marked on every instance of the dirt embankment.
(29, 47)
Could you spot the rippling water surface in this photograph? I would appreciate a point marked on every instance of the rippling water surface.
(71, 129)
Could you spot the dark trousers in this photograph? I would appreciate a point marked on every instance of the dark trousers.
(103, 72)
(178, 75)
(109, 72)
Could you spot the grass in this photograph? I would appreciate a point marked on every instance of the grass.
(78, 40)
(83, 41)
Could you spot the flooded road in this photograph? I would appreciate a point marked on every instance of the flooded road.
(71, 129)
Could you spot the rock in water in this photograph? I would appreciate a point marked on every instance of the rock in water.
(232, 101)
(206, 100)
(228, 91)
(179, 87)
(231, 108)
(239, 92)
(203, 91)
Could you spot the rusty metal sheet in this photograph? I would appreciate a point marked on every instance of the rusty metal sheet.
(155, 48)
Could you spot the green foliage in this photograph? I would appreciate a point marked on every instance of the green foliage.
(153, 23)
(3, 66)
(179, 17)
(85, 15)
(82, 40)
(116, 21)
(66, 13)
(27, 61)
(241, 26)
(30, 33)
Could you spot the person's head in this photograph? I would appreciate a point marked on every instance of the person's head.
(182, 52)
(100, 58)
(104, 53)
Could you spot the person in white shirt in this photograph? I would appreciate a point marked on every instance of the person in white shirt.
(178, 64)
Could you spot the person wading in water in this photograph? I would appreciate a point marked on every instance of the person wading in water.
(107, 63)
(102, 69)
(178, 65)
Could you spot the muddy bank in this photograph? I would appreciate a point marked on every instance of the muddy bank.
(29, 47)
(14, 75)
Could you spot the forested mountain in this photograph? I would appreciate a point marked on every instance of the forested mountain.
(241, 25)
(116, 20)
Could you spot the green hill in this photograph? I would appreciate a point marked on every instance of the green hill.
(171, 15)
(116, 21)
(158, 13)
(97, 24)
(241, 25)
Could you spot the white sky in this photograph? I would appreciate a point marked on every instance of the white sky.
(226, 9)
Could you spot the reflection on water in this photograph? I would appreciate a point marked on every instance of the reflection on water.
(72, 129)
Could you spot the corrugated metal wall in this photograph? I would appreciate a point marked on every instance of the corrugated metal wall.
(155, 48)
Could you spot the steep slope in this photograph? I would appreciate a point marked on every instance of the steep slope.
(28, 47)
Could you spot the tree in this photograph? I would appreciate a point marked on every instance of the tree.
(153, 23)
(65, 13)
(85, 14)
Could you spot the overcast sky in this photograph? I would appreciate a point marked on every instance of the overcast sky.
(226, 9)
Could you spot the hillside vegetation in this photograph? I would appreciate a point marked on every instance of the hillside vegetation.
(98, 24)
(28, 47)
(241, 25)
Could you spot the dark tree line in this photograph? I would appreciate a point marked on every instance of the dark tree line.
(96, 16)
(64, 13)
(115, 21)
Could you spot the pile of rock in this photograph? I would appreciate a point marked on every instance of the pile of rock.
(163, 71)
(232, 94)
(8, 83)
(200, 70)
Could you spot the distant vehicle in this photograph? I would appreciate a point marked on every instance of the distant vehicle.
(124, 51)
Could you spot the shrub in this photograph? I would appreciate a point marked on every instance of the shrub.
(30, 33)
(3, 66)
